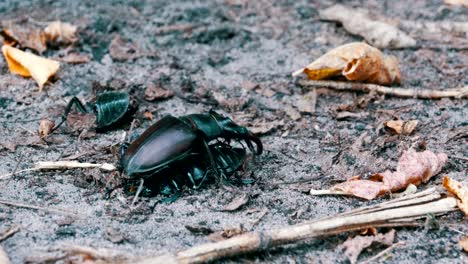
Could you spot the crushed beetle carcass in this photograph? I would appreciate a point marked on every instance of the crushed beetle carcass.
(111, 109)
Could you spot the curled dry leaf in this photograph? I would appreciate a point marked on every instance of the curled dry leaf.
(45, 126)
(460, 191)
(154, 92)
(464, 243)
(26, 36)
(236, 203)
(355, 61)
(354, 246)
(30, 65)
(358, 22)
(61, 32)
(413, 168)
(402, 127)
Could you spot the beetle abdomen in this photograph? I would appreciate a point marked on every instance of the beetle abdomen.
(166, 141)
(110, 107)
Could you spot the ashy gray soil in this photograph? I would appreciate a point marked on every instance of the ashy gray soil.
(235, 57)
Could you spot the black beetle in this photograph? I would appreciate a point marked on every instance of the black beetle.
(192, 172)
(111, 109)
(172, 139)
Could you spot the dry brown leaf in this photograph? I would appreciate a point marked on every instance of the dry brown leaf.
(45, 126)
(354, 246)
(358, 22)
(226, 233)
(237, 203)
(26, 36)
(79, 121)
(464, 243)
(75, 58)
(121, 50)
(30, 65)
(460, 191)
(292, 113)
(355, 61)
(413, 168)
(148, 115)
(154, 92)
(402, 127)
(307, 103)
(265, 127)
(457, 2)
(61, 32)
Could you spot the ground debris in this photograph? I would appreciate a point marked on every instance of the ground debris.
(354, 246)
(413, 168)
(237, 203)
(464, 243)
(26, 35)
(402, 127)
(61, 32)
(457, 2)
(45, 127)
(355, 61)
(378, 34)
(226, 233)
(74, 58)
(121, 50)
(154, 92)
(199, 229)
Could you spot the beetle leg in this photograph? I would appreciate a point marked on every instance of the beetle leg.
(212, 162)
(73, 101)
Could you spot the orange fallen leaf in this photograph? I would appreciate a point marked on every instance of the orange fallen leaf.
(402, 127)
(61, 32)
(354, 246)
(26, 36)
(464, 243)
(413, 168)
(460, 191)
(30, 65)
(356, 62)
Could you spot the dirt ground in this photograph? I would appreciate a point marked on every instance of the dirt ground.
(235, 57)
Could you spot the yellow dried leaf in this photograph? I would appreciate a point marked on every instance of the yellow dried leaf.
(30, 65)
(45, 127)
(460, 191)
(402, 127)
(58, 31)
(356, 62)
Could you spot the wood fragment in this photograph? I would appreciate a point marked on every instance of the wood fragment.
(456, 93)
(40, 208)
(261, 240)
(62, 164)
(9, 232)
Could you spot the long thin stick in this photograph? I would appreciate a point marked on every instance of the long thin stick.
(383, 252)
(41, 208)
(461, 92)
(255, 241)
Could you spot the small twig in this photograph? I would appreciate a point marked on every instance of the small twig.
(40, 208)
(395, 91)
(27, 130)
(62, 164)
(458, 157)
(262, 240)
(140, 188)
(9, 232)
(383, 252)
(17, 164)
(327, 192)
(453, 229)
